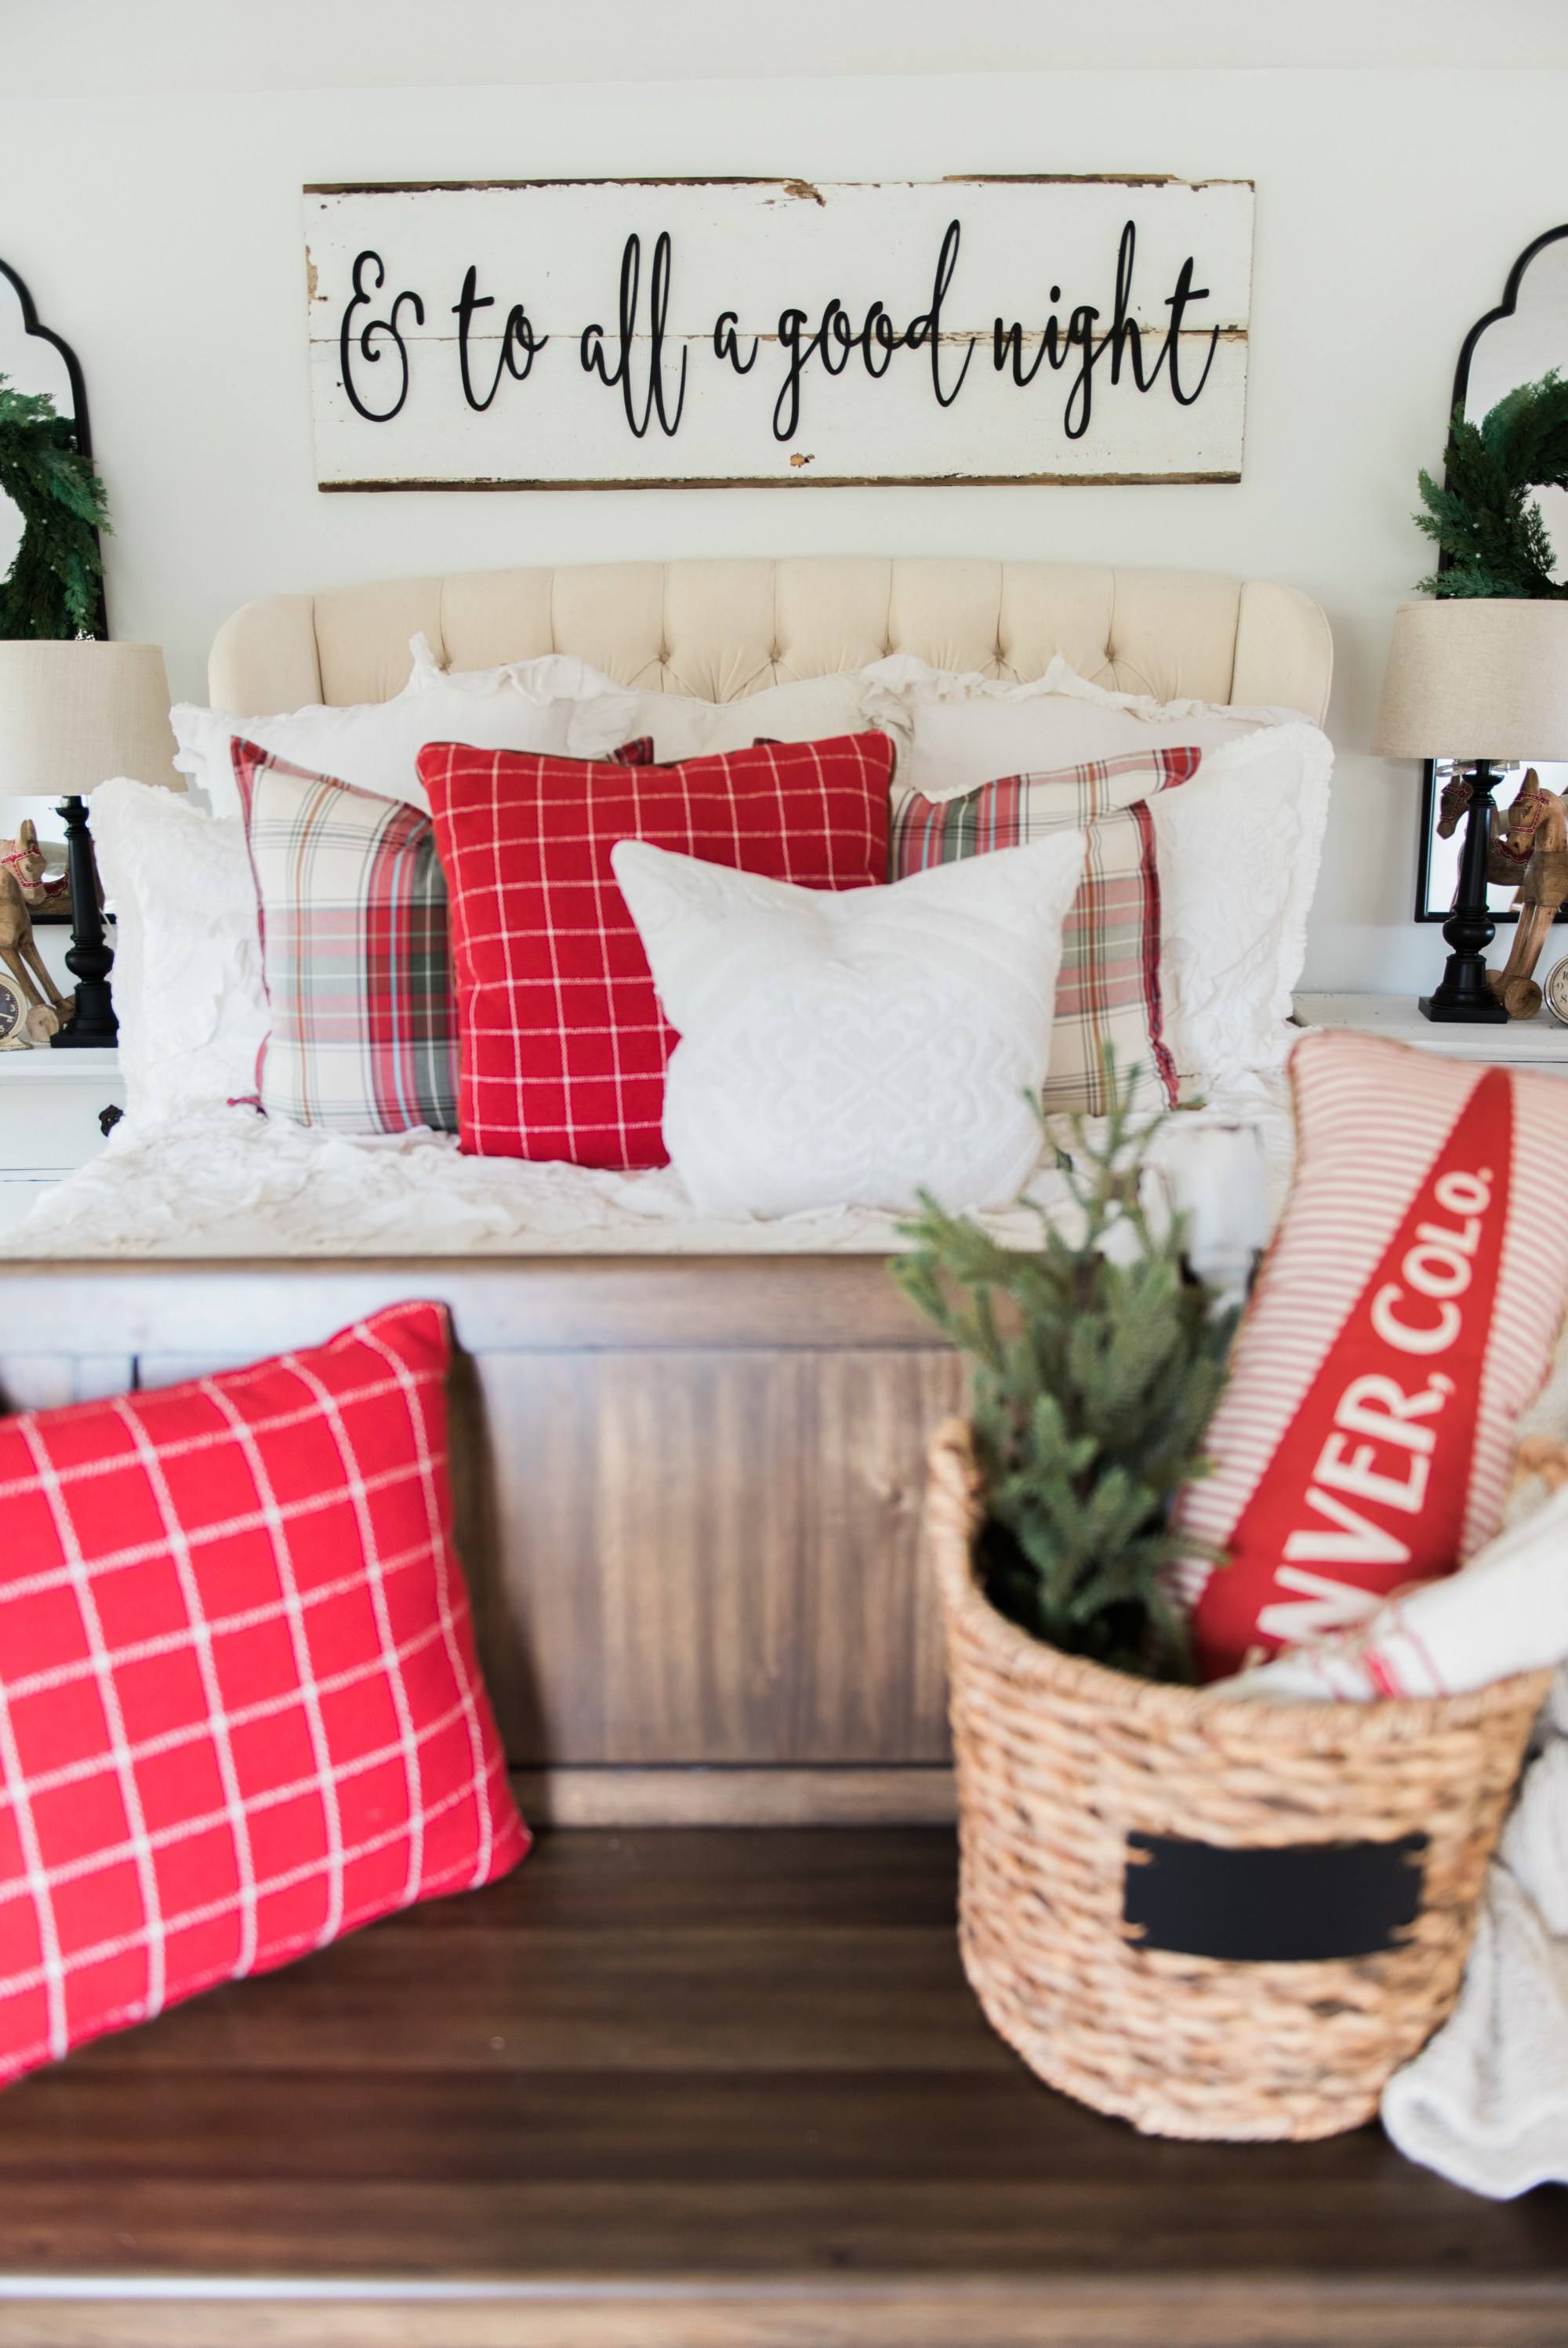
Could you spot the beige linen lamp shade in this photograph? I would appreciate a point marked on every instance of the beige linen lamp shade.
(1473, 678)
(74, 713)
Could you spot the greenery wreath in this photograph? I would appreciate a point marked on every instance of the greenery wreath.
(53, 588)
(1483, 515)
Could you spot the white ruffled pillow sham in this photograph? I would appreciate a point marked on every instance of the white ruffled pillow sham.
(810, 709)
(1238, 865)
(854, 1047)
(553, 704)
(188, 988)
(1238, 850)
(957, 730)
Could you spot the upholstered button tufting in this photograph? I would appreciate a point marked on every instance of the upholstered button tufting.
(1265, 643)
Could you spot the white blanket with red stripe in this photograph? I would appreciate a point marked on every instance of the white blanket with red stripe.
(1506, 1612)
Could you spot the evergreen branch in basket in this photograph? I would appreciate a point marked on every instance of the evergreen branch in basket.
(1097, 1361)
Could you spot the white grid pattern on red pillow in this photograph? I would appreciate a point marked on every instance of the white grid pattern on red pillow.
(563, 1047)
(240, 1707)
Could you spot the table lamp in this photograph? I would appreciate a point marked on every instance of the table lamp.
(1482, 681)
(72, 713)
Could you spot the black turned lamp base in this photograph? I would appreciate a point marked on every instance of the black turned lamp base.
(1464, 998)
(1490, 1014)
(92, 1026)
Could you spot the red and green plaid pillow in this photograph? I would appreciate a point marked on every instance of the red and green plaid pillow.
(353, 911)
(1109, 987)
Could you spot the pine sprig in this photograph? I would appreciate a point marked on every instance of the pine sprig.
(53, 589)
(1096, 1364)
(1483, 515)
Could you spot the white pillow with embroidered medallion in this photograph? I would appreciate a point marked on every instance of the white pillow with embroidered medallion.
(858, 1046)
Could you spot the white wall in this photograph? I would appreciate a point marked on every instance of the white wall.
(156, 219)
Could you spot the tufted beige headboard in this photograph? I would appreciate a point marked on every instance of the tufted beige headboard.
(722, 630)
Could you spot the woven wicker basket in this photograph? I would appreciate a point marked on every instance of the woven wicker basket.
(1059, 1761)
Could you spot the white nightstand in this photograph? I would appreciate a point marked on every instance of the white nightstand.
(1539, 1042)
(51, 1103)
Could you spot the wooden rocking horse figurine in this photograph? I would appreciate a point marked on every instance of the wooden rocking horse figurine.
(19, 877)
(1528, 852)
(1533, 851)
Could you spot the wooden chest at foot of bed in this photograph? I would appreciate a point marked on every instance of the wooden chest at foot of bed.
(688, 1496)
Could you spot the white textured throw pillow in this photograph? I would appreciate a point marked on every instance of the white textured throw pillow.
(810, 709)
(1239, 850)
(854, 1047)
(187, 987)
(550, 705)
(957, 730)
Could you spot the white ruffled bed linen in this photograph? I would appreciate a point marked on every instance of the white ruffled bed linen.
(227, 1182)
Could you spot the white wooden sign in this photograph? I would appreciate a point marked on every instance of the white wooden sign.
(624, 334)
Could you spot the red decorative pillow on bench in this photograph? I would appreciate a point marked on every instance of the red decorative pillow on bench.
(240, 1708)
(564, 1045)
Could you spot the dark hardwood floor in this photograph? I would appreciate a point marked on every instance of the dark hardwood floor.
(703, 2089)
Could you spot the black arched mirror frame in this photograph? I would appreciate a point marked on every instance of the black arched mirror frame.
(1506, 308)
(82, 428)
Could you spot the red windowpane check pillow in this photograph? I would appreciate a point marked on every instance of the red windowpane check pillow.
(240, 1708)
(1109, 988)
(563, 1043)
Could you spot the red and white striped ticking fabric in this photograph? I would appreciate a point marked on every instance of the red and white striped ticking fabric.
(564, 1045)
(1405, 1316)
(240, 1707)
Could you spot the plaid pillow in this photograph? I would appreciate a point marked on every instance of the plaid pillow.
(1108, 986)
(563, 1042)
(240, 1707)
(353, 951)
(353, 909)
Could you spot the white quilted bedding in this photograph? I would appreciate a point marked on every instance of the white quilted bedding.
(228, 1182)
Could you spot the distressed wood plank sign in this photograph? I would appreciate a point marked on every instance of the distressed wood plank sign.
(627, 333)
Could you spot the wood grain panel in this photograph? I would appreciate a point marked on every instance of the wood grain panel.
(913, 1795)
(880, 2315)
(874, 1626)
(533, 1568)
(511, 1304)
(758, 1529)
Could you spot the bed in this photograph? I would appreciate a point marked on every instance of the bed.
(689, 1457)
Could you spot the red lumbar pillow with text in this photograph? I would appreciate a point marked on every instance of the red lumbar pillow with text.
(240, 1708)
(564, 1045)
(1405, 1314)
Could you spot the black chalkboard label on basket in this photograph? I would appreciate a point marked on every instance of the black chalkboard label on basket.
(1302, 1904)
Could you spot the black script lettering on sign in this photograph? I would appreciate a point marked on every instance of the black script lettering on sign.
(519, 346)
(592, 347)
(368, 338)
(647, 364)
